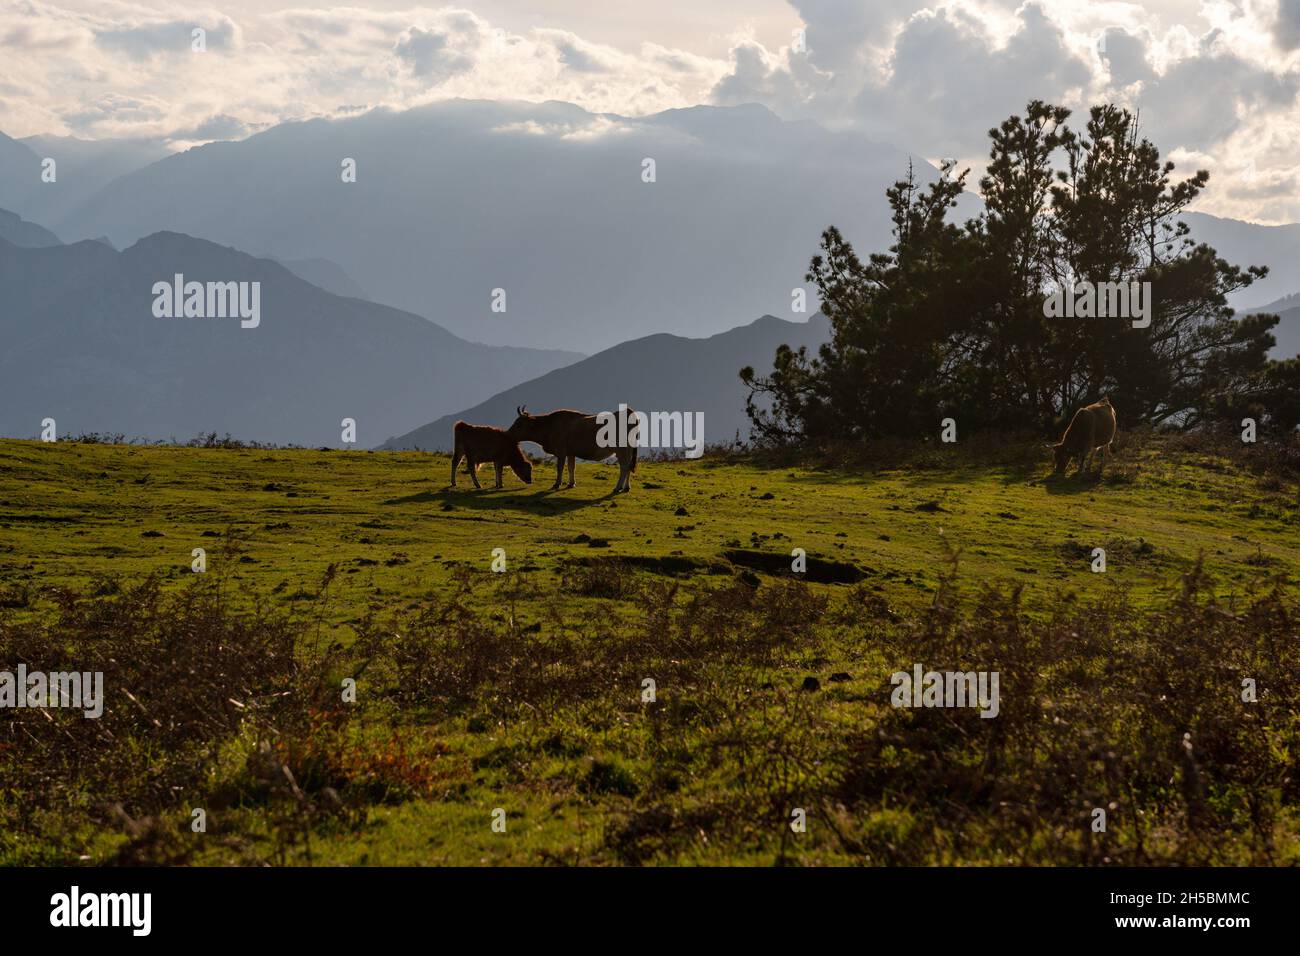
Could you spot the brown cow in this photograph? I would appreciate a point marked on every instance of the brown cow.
(480, 444)
(1092, 428)
(569, 435)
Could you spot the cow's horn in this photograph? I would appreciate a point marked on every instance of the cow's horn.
(519, 409)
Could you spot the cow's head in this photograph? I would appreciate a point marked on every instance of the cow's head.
(522, 429)
(521, 465)
(1062, 456)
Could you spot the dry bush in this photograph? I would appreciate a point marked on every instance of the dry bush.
(1102, 705)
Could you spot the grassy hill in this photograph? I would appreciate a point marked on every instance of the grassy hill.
(523, 691)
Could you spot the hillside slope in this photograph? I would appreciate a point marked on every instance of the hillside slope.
(1287, 330)
(524, 690)
(20, 232)
(1156, 510)
(656, 373)
(1250, 244)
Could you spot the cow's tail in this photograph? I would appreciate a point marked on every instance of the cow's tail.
(631, 466)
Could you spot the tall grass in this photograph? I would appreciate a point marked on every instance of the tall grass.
(1104, 705)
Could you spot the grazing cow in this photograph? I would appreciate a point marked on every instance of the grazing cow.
(1092, 428)
(480, 444)
(569, 435)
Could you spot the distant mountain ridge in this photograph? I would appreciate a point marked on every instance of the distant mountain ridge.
(83, 346)
(82, 168)
(657, 373)
(324, 274)
(20, 232)
(1287, 330)
(545, 201)
(20, 172)
(1250, 244)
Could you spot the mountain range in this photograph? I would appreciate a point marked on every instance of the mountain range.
(1250, 244)
(545, 201)
(84, 346)
(1287, 330)
(17, 230)
(656, 373)
(377, 293)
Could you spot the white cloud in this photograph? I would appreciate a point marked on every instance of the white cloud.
(936, 76)
(128, 70)
(1217, 79)
(1286, 27)
(438, 55)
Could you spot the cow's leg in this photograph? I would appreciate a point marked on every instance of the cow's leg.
(559, 470)
(497, 465)
(573, 463)
(1085, 456)
(473, 469)
(455, 460)
(624, 473)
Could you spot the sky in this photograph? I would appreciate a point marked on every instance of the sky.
(1216, 82)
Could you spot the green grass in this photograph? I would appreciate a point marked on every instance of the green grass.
(587, 779)
(69, 512)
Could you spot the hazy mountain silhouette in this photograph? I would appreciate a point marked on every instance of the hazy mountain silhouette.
(20, 173)
(1287, 330)
(656, 373)
(15, 229)
(83, 167)
(1280, 305)
(1249, 244)
(324, 274)
(82, 346)
(546, 201)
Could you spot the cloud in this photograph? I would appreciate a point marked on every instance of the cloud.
(1216, 79)
(42, 36)
(219, 126)
(578, 55)
(786, 81)
(1125, 56)
(593, 128)
(1206, 98)
(116, 109)
(434, 55)
(839, 35)
(934, 77)
(168, 37)
(1286, 28)
(125, 70)
(950, 79)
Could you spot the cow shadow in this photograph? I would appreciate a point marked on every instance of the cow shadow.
(541, 503)
(1071, 484)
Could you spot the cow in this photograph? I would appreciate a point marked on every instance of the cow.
(1092, 428)
(480, 444)
(569, 435)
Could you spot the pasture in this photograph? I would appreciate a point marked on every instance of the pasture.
(523, 691)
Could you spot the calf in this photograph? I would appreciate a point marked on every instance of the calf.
(480, 444)
(1092, 428)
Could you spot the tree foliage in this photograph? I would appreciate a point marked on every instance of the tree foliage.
(951, 319)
